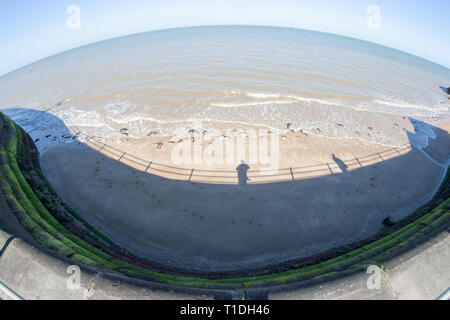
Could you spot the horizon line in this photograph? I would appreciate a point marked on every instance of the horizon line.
(221, 25)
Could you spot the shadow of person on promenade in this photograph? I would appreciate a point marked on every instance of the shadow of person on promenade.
(341, 164)
(242, 173)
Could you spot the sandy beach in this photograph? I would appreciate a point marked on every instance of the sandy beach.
(220, 227)
(290, 154)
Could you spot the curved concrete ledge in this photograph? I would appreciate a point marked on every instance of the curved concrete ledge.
(36, 273)
(421, 273)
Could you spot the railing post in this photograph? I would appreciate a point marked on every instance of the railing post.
(359, 162)
(103, 147)
(330, 168)
(380, 156)
(190, 177)
(292, 174)
(122, 156)
(148, 167)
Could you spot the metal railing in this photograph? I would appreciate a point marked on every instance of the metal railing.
(445, 295)
(9, 292)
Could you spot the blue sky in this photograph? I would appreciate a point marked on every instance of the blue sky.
(31, 30)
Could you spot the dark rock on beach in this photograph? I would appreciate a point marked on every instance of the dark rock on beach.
(388, 222)
(158, 145)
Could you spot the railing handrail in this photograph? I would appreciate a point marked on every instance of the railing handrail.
(445, 295)
(9, 292)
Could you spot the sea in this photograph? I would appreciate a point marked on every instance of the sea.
(169, 81)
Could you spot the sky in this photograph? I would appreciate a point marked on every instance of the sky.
(31, 30)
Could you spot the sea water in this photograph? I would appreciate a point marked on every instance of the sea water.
(226, 76)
